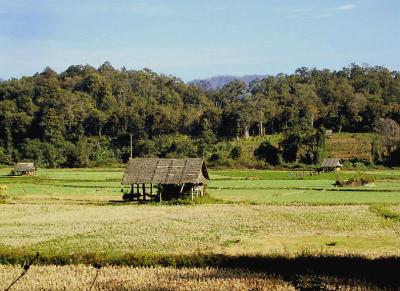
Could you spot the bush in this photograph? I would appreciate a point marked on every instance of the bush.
(348, 164)
(268, 153)
(101, 154)
(394, 158)
(4, 157)
(215, 157)
(236, 152)
(291, 145)
(359, 165)
(358, 179)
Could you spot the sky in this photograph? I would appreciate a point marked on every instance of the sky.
(198, 39)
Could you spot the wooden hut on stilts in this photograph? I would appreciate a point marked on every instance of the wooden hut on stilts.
(164, 179)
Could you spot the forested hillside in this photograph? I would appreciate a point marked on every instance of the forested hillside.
(84, 116)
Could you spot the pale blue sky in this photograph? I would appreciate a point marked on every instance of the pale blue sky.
(197, 39)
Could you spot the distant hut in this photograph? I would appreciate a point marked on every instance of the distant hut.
(173, 178)
(24, 169)
(331, 165)
(329, 133)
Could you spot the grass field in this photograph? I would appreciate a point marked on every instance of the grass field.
(75, 216)
(113, 231)
(251, 187)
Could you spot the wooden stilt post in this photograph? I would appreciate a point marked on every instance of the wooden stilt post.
(192, 193)
(144, 191)
(132, 189)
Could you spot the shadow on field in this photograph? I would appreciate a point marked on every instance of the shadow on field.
(382, 272)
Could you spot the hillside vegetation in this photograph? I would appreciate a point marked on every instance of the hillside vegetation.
(84, 116)
(351, 147)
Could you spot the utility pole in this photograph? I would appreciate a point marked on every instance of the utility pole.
(131, 145)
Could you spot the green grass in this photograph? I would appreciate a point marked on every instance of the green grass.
(229, 186)
(287, 187)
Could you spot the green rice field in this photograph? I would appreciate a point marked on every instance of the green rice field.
(229, 186)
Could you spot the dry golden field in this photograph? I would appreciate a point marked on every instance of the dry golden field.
(81, 277)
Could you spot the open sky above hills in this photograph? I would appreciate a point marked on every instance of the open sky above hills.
(198, 39)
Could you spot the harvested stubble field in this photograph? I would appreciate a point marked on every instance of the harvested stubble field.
(80, 277)
(125, 278)
(75, 216)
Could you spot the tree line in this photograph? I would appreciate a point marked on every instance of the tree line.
(85, 115)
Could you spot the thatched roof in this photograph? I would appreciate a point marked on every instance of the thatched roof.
(24, 167)
(165, 171)
(331, 163)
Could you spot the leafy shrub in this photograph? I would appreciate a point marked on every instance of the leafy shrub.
(267, 152)
(358, 179)
(348, 164)
(360, 165)
(102, 154)
(236, 152)
(215, 157)
(4, 157)
(339, 181)
(291, 145)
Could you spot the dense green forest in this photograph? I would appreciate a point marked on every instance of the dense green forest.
(84, 116)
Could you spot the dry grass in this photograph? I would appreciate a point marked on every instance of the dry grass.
(226, 229)
(3, 196)
(125, 278)
(350, 145)
(81, 277)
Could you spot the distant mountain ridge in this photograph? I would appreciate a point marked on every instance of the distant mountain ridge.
(218, 82)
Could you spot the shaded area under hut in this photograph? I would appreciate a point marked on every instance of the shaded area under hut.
(164, 179)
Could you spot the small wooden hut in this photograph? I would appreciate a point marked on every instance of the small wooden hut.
(24, 169)
(331, 165)
(165, 179)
